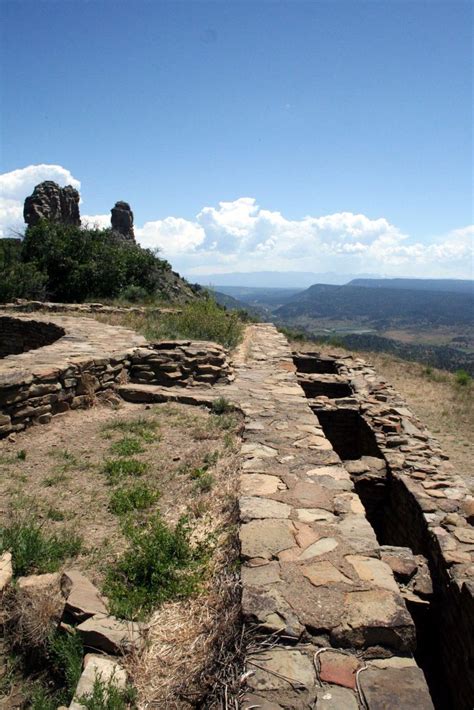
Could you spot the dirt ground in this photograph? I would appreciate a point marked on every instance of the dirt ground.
(55, 474)
(444, 406)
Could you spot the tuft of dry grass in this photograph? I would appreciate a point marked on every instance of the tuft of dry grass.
(30, 617)
(188, 639)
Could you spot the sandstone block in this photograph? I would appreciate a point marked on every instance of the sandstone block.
(110, 634)
(339, 669)
(273, 667)
(83, 599)
(395, 688)
(266, 538)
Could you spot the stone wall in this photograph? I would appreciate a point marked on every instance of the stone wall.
(180, 362)
(419, 502)
(86, 359)
(17, 336)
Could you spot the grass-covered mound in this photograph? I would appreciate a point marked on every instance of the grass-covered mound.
(72, 264)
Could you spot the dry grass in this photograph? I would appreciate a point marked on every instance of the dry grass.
(187, 640)
(443, 406)
(31, 618)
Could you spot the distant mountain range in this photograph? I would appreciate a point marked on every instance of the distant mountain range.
(274, 279)
(453, 285)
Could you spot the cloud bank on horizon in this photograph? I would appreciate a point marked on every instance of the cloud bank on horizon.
(240, 235)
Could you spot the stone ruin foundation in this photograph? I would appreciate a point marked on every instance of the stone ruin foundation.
(356, 535)
(414, 503)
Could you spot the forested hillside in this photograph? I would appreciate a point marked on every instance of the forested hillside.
(381, 307)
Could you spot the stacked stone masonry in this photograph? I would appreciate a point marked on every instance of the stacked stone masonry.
(180, 362)
(85, 360)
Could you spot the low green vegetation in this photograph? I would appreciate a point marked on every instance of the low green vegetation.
(202, 319)
(135, 497)
(55, 514)
(34, 549)
(106, 695)
(67, 263)
(221, 405)
(65, 654)
(118, 469)
(141, 428)
(160, 564)
(128, 446)
(55, 479)
(463, 378)
(204, 480)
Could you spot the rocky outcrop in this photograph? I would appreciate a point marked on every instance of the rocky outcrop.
(51, 202)
(122, 220)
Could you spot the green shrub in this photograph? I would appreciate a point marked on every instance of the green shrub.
(159, 565)
(221, 405)
(133, 294)
(203, 319)
(22, 281)
(118, 469)
(137, 497)
(34, 550)
(128, 446)
(106, 696)
(463, 378)
(65, 656)
(83, 263)
(41, 699)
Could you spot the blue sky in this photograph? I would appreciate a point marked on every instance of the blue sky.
(244, 134)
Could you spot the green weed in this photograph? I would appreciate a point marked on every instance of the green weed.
(106, 695)
(160, 564)
(65, 655)
(128, 446)
(462, 378)
(204, 482)
(55, 514)
(221, 405)
(136, 497)
(21, 455)
(34, 550)
(141, 428)
(54, 479)
(118, 469)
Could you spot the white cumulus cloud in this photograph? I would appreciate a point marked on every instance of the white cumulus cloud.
(240, 235)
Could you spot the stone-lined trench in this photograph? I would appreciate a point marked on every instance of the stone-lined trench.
(368, 446)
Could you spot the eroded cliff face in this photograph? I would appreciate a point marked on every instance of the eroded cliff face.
(51, 202)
